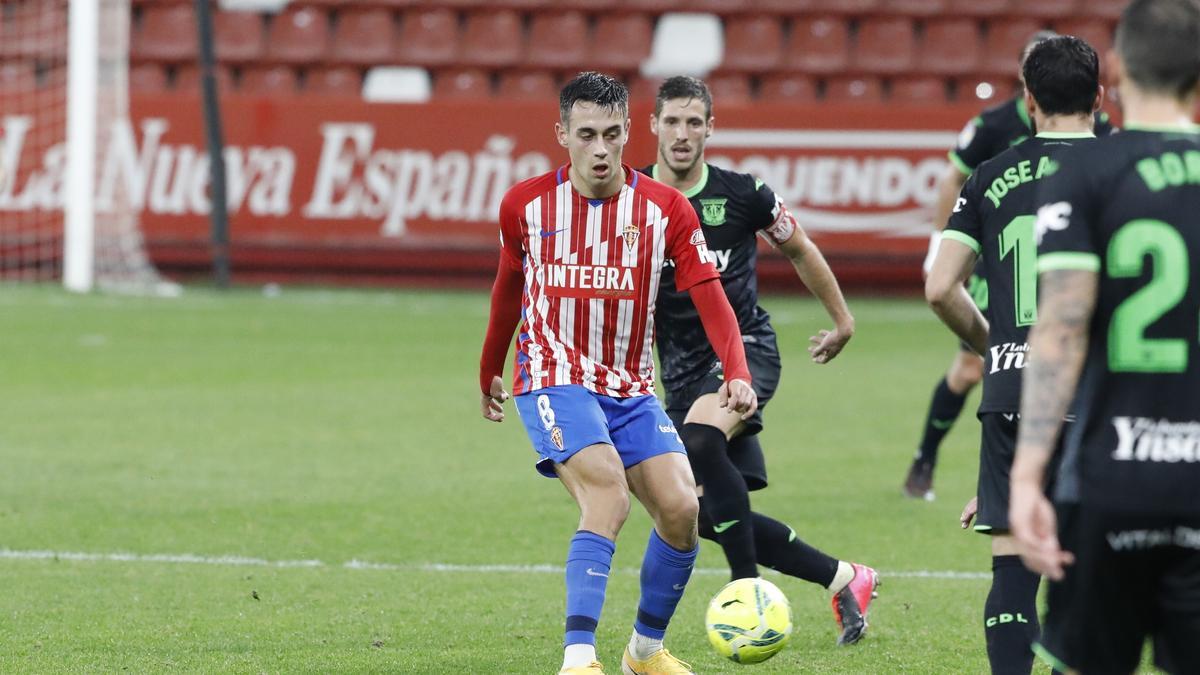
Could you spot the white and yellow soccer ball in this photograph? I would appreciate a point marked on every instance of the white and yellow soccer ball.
(749, 621)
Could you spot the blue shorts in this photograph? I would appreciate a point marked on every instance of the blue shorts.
(565, 419)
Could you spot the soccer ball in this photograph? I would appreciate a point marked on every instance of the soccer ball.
(749, 621)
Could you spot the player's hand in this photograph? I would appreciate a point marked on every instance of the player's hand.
(1035, 529)
(827, 344)
(492, 403)
(739, 397)
(969, 512)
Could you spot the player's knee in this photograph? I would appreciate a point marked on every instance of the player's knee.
(705, 443)
(677, 518)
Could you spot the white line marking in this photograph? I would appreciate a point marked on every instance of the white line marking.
(787, 138)
(355, 564)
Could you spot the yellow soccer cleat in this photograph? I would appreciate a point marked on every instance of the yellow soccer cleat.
(593, 668)
(662, 663)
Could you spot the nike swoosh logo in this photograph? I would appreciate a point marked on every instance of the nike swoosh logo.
(725, 526)
(941, 425)
(551, 233)
(595, 574)
(791, 535)
(679, 587)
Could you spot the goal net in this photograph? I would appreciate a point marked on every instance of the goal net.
(64, 89)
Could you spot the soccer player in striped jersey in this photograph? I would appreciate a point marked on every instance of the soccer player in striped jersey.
(735, 209)
(993, 222)
(1118, 343)
(582, 251)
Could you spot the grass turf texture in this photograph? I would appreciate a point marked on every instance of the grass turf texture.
(338, 425)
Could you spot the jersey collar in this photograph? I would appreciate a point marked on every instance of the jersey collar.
(1065, 134)
(1165, 128)
(695, 189)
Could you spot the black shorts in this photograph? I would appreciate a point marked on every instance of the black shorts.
(997, 447)
(765, 367)
(1134, 577)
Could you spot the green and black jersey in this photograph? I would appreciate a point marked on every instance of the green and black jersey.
(1128, 208)
(994, 215)
(999, 128)
(733, 209)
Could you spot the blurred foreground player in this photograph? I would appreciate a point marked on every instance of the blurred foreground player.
(993, 222)
(723, 447)
(582, 249)
(995, 130)
(1118, 340)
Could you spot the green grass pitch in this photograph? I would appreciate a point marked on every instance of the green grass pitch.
(340, 426)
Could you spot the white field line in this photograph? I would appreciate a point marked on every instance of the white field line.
(355, 564)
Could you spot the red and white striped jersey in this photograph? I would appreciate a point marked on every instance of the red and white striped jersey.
(591, 271)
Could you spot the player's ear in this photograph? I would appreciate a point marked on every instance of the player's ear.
(710, 126)
(560, 132)
(1099, 99)
(1030, 103)
(653, 124)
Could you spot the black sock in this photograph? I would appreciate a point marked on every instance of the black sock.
(1010, 616)
(726, 500)
(778, 547)
(944, 409)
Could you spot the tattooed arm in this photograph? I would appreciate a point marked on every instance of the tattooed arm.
(1058, 344)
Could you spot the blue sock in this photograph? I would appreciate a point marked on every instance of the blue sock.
(665, 573)
(588, 561)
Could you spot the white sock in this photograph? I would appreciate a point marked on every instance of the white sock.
(844, 575)
(642, 647)
(578, 656)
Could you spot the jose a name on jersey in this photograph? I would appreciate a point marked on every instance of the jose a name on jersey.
(1142, 439)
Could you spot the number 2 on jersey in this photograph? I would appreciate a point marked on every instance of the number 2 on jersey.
(1017, 238)
(1129, 350)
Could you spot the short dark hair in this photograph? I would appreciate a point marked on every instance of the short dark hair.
(592, 87)
(682, 86)
(1063, 75)
(1044, 34)
(1159, 41)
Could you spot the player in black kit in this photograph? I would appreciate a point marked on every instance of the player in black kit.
(992, 221)
(1118, 341)
(728, 462)
(990, 133)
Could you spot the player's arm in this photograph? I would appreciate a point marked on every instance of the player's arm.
(503, 318)
(818, 278)
(948, 297)
(950, 184)
(721, 327)
(1058, 343)
(696, 274)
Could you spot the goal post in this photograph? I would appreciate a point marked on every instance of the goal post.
(79, 208)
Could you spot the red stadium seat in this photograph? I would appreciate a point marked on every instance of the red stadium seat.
(558, 40)
(914, 7)
(462, 84)
(788, 89)
(595, 7)
(35, 29)
(644, 88)
(365, 36)
(270, 81)
(854, 89)
(885, 46)
(919, 91)
(621, 42)
(818, 45)
(1045, 9)
(978, 8)
(187, 79)
(949, 47)
(298, 35)
(528, 86)
(238, 36)
(862, 7)
(985, 90)
(492, 39)
(720, 6)
(334, 81)
(1003, 44)
(428, 37)
(1096, 32)
(167, 33)
(650, 6)
(786, 7)
(147, 78)
(1103, 9)
(730, 88)
(753, 43)
(17, 76)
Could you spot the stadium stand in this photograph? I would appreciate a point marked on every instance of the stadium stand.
(911, 51)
